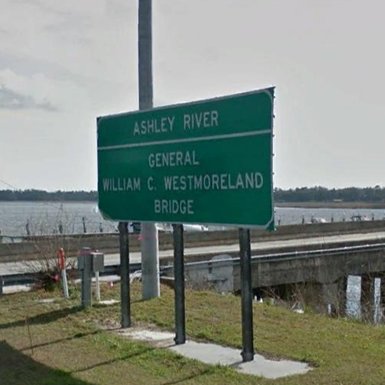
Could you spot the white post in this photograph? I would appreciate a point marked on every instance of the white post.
(97, 289)
(65, 283)
(62, 267)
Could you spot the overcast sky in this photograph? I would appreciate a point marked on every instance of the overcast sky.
(63, 63)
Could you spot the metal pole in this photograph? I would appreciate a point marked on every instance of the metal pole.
(150, 261)
(145, 54)
(149, 232)
(247, 296)
(86, 280)
(124, 275)
(180, 317)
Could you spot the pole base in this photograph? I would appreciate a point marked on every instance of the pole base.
(247, 356)
(179, 340)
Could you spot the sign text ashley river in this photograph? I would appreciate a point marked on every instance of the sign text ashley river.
(204, 162)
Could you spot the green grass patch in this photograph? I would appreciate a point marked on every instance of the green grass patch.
(59, 343)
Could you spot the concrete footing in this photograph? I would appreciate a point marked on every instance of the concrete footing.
(213, 354)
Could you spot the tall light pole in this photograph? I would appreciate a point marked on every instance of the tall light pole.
(149, 232)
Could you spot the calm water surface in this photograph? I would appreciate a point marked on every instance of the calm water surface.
(16, 218)
(72, 217)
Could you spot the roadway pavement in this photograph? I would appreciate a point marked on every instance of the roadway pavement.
(19, 267)
(210, 251)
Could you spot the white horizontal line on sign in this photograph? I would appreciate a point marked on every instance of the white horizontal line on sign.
(185, 140)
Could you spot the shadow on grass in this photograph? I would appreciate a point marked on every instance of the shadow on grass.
(123, 358)
(19, 369)
(75, 336)
(145, 350)
(190, 377)
(43, 318)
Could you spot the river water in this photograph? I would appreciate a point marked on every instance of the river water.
(43, 218)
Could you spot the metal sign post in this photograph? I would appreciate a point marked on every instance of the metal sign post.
(124, 275)
(180, 318)
(247, 296)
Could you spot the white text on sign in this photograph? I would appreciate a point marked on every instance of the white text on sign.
(169, 124)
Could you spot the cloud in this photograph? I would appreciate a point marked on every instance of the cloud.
(37, 91)
(12, 100)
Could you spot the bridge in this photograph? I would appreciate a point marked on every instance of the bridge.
(321, 274)
(318, 267)
(282, 262)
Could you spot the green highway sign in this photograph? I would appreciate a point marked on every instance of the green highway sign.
(206, 162)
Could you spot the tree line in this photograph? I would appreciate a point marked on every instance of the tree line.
(300, 194)
(323, 194)
(41, 195)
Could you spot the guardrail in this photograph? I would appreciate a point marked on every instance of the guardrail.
(277, 257)
(31, 278)
(35, 247)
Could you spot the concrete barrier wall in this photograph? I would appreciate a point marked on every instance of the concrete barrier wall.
(46, 247)
(325, 269)
(286, 232)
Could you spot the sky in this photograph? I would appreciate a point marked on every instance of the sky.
(63, 63)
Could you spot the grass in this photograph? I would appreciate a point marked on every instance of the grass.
(59, 343)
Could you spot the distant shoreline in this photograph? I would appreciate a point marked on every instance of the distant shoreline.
(333, 205)
(308, 204)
